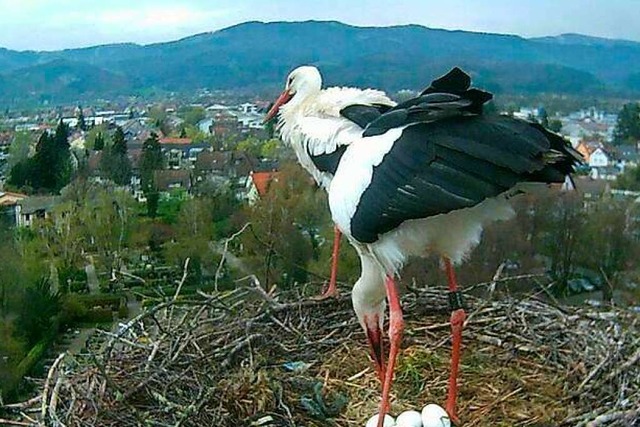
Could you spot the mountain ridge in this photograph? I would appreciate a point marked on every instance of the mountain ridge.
(256, 56)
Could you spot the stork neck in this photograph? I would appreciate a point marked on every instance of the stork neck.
(368, 294)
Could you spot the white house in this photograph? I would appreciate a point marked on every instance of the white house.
(248, 108)
(206, 126)
(30, 208)
(599, 158)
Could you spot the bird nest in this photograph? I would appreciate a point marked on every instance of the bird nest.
(249, 357)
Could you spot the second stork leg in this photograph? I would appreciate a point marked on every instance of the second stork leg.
(332, 290)
(396, 327)
(458, 317)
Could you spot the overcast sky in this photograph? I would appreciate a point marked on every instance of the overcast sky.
(50, 25)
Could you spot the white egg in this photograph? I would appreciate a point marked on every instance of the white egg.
(388, 421)
(435, 416)
(409, 419)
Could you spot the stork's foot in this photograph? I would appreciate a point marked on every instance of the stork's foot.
(455, 421)
(329, 291)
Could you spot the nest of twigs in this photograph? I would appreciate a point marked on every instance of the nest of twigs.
(254, 358)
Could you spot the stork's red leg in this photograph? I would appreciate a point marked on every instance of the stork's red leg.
(396, 326)
(457, 322)
(332, 290)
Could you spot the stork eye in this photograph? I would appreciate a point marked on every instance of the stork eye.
(289, 81)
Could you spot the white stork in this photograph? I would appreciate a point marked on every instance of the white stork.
(422, 176)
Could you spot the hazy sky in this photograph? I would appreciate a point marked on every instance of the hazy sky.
(58, 24)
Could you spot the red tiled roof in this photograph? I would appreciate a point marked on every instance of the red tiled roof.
(262, 179)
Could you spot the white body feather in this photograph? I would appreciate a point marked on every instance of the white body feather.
(315, 126)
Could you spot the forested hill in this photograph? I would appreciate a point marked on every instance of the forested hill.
(256, 56)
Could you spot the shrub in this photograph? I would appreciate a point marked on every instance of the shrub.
(73, 309)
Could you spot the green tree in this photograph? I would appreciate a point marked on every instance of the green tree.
(628, 126)
(21, 176)
(271, 149)
(629, 180)
(192, 115)
(151, 161)
(12, 350)
(82, 124)
(159, 117)
(153, 200)
(250, 145)
(608, 242)
(51, 167)
(12, 274)
(98, 143)
(20, 148)
(555, 125)
(194, 233)
(107, 220)
(115, 166)
(114, 163)
(35, 317)
(561, 222)
(119, 141)
(92, 135)
(287, 223)
(544, 117)
(62, 164)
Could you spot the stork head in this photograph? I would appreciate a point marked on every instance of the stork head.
(301, 83)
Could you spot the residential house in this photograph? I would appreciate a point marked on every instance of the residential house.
(225, 124)
(206, 126)
(9, 207)
(608, 173)
(528, 113)
(248, 108)
(234, 166)
(181, 153)
(576, 129)
(258, 185)
(119, 118)
(249, 117)
(168, 180)
(174, 121)
(216, 108)
(72, 122)
(30, 208)
(599, 158)
(591, 189)
(136, 130)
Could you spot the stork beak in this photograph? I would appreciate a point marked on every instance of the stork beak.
(282, 99)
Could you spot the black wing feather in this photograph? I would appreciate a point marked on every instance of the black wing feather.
(445, 165)
(455, 81)
(448, 96)
(362, 114)
(328, 162)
